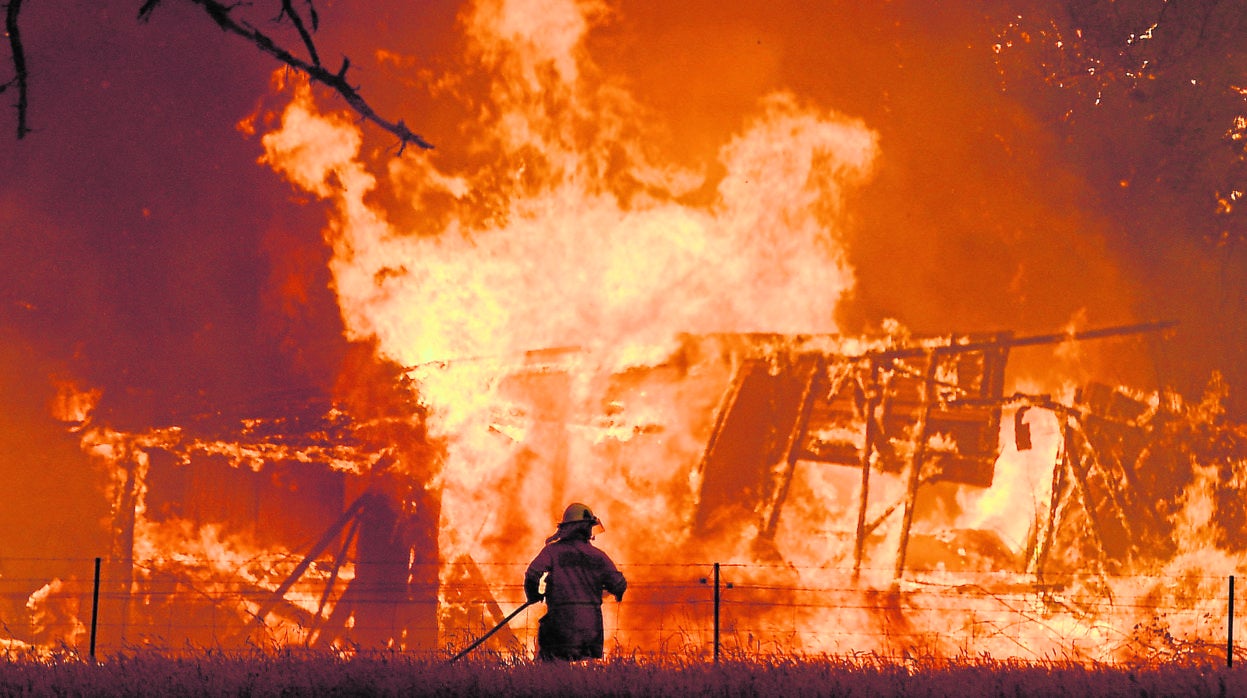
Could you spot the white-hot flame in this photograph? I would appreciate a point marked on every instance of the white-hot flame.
(567, 257)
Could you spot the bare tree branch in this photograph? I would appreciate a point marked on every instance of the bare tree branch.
(19, 64)
(145, 12)
(288, 10)
(222, 14)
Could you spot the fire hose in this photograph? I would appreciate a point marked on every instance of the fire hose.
(492, 630)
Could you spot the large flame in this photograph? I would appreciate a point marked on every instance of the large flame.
(562, 298)
(569, 251)
(587, 243)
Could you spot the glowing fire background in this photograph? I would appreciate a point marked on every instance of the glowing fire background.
(188, 233)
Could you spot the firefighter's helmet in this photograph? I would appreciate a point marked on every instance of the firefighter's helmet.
(579, 513)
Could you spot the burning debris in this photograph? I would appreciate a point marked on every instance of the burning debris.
(232, 531)
(1129, 471)
(929, 413)
(693, 385)
(56, 614)
(307, 529)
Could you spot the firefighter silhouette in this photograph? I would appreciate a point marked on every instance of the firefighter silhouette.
(577, 575)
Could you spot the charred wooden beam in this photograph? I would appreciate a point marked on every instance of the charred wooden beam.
(786, 465)
(917, 458)
(874, 396)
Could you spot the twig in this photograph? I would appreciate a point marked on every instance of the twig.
(19, 65)
(145, 12)
(287, 10)
(221, 14)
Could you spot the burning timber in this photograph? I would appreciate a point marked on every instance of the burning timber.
(314, 528)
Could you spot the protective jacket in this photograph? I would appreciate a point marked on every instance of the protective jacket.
(577, 576)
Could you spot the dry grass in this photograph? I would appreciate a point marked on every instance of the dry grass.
(215, 673)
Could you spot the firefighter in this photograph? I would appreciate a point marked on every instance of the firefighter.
(577, 576)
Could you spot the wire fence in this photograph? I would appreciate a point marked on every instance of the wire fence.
(696, 610)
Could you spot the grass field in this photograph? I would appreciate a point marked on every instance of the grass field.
(298, 674)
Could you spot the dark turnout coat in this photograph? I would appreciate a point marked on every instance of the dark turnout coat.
(577, 576)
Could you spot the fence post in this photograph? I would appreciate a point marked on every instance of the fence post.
(95, 606)
(717, 604)
(1229, 635)
(716, 613)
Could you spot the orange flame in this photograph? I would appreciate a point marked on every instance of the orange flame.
(542, 306)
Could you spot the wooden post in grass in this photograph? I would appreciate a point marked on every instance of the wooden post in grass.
(717, 598)
(95, 606)
(1229, 635)
(716, 613)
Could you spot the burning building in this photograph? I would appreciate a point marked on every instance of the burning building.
(318, 528)
(553, 308)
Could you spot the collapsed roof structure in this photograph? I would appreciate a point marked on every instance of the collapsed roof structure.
(353, 519)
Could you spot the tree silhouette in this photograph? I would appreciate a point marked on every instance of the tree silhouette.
(226, 17)
(1159, 87)
(1151, 97)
